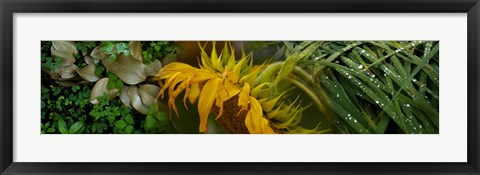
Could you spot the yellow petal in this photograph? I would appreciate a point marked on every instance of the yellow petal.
(205, 102)
(194, 93)
(243, 97)
(173, 95)
(175, 67)
(254, 121)
(227, 90)
(219, 104)
(173, 86)
(167, 83)
(187, 88)
(232, 76)
(202, 75)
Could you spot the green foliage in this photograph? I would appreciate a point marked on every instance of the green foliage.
(45, 46)
(157, 50)
(156, 121)
(378, 86)
(365, 86)
(86, 46)
(113, 48)
(114, 81)
(99, 69)
(63, 109)
(106, 113)
(67, 110)
(126, 125)
(51, 62)
(76, 128)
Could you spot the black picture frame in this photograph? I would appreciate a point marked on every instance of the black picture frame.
(9, 7)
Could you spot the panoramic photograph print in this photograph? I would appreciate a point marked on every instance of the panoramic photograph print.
(239, 87)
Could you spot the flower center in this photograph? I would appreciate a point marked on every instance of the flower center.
(231, 120)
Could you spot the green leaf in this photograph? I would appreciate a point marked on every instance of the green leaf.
(129, 129)
(121, 124)
(111, 118)
(99, 70)
(101, 126)
(111, 84)
(112, 76)
(163, 116)
(119, 84)
(50, 130)
(107, 47)
(152, 110)
(76, 128)
(129, 119)
(62, 126)
(75, 88)
(121, 47)
(292, 60)
(56, 90)
(42, 105)
(112, 58)
(149, 122)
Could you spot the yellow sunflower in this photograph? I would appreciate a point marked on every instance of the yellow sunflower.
(227, 87)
